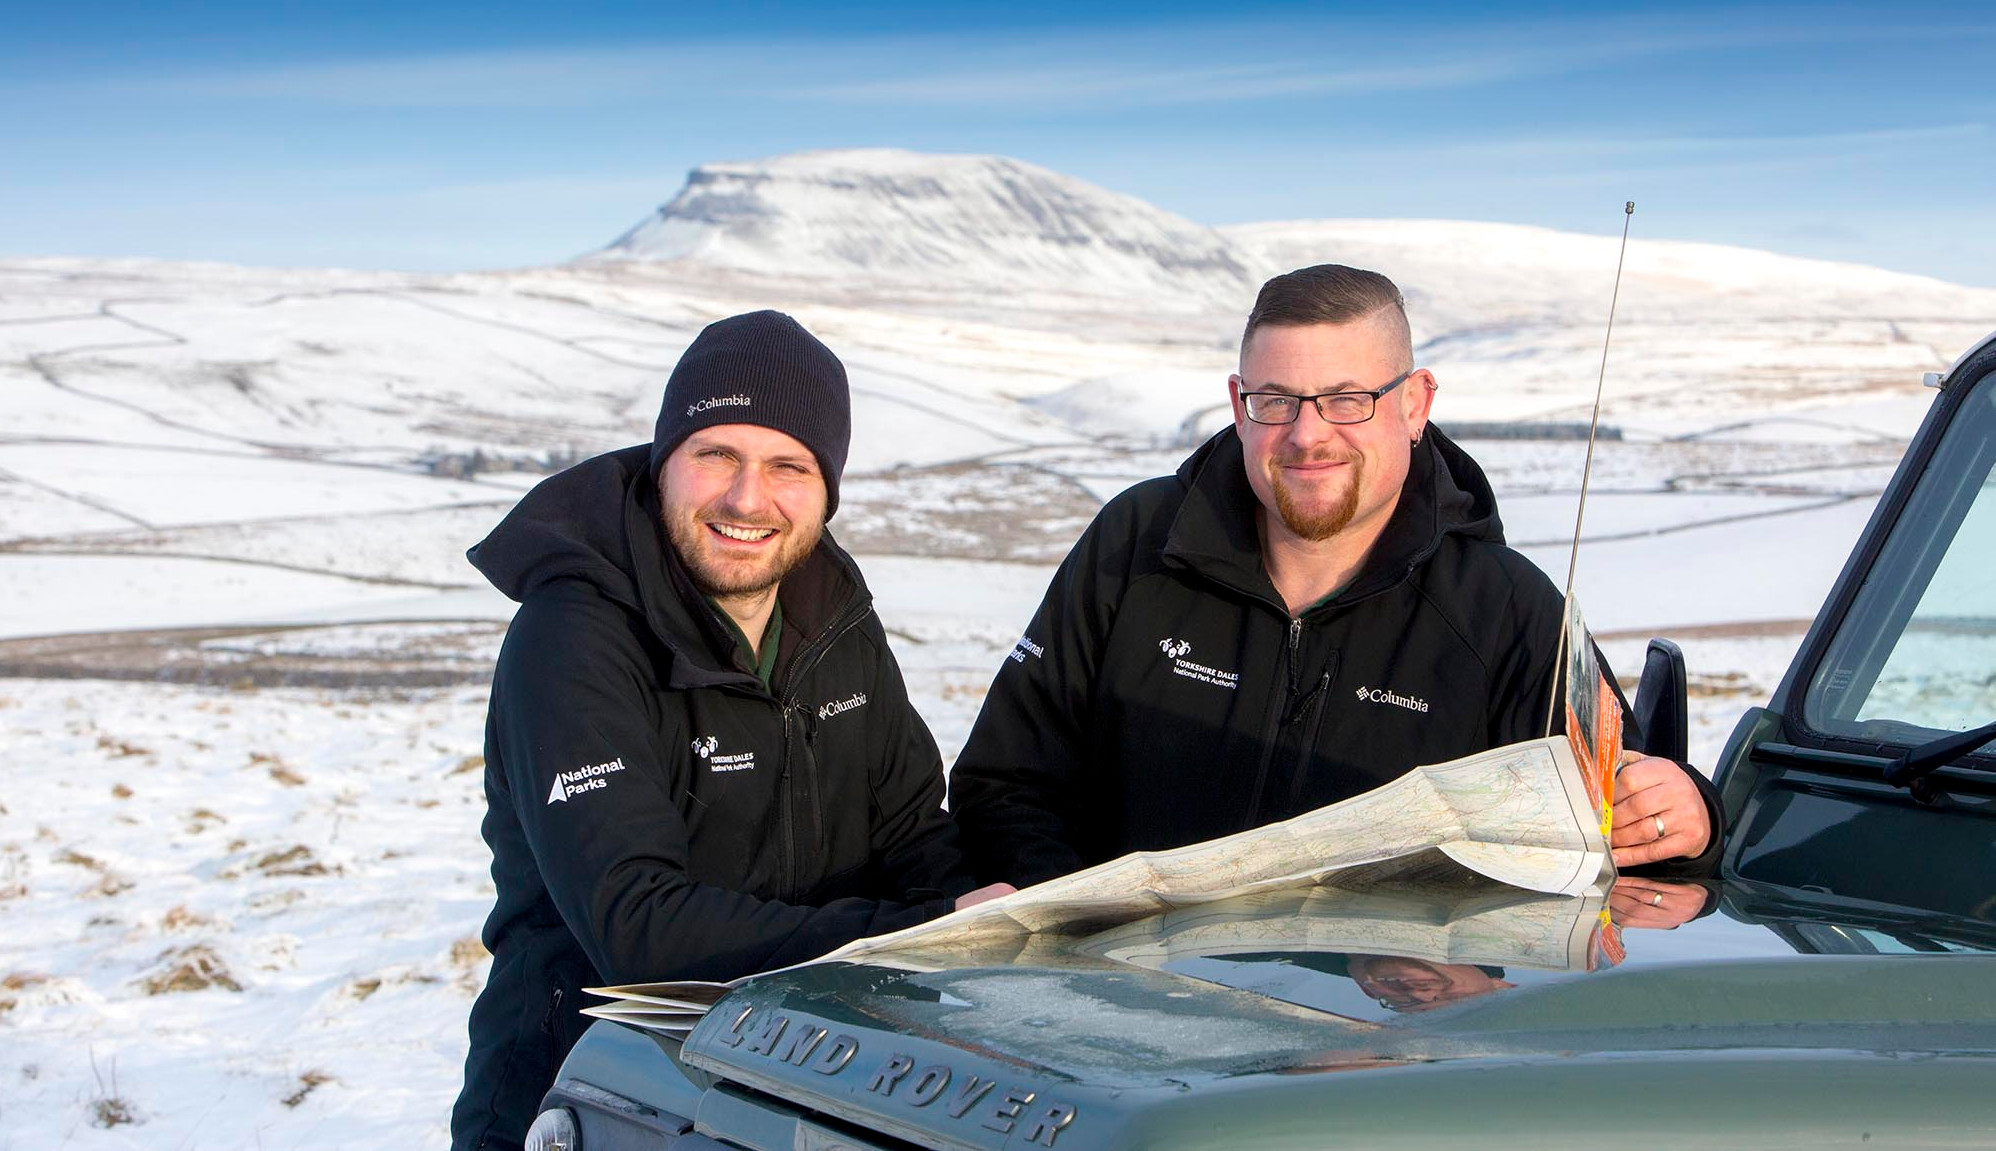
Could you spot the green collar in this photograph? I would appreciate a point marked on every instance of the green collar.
(772, 632)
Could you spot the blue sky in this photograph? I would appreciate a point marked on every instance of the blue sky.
(447, 136)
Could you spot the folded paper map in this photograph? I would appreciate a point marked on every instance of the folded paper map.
(1532, 815)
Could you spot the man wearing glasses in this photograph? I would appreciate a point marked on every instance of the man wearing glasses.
(1318, 601)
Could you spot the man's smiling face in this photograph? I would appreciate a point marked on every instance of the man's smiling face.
(742, 505)
(1318, 479)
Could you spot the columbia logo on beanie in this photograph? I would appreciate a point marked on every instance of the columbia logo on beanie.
(723, 402)
(760, 368)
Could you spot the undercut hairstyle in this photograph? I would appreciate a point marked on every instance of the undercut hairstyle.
(1329, 294)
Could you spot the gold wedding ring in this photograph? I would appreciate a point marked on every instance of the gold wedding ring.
(1656, 899)
(1658, 820)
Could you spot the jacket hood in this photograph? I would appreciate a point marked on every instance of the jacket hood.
(1445, 493)
(569, 526)
(598, 523)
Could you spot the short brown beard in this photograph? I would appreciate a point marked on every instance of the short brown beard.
(686, 532)
(1326, 523)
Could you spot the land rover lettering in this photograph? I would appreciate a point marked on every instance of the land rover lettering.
(802, 1042)
(928, 1086)
(968, 1095)
(734, 1036)
(766, 1038)
(891, 1072)
(836, 1056)
(1004, 1114)
(1052, 1119)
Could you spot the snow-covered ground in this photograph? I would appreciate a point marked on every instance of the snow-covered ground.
(236, 918)
(249, 918)
(240, 911)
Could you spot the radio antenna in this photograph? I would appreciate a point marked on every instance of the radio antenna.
(1587, 469)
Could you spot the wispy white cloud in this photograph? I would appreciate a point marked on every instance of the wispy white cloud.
(513, 79)
(1167, 65)
(1159, 85)
(1917, 134)
(1328, 59)
(1716, 147)
(1840, 174)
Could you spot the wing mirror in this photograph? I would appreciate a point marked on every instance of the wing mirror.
(1661, 708)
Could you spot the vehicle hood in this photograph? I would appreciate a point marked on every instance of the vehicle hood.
(1237, 1008)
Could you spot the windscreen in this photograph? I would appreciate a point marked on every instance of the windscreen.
(1915, 656)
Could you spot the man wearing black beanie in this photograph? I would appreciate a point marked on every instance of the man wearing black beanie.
(700, 758)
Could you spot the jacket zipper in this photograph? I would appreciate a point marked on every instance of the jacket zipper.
(1272, 726)
(787, 704)
(789, 822)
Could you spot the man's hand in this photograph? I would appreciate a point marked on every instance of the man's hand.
(1659, 814)
(973, 898)
(1653, 903)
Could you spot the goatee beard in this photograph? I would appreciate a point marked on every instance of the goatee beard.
(1323, 524)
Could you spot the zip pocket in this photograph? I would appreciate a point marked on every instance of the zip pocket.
(554, 1007)
(552, 1049)
(1302, 703)
(1307, 744)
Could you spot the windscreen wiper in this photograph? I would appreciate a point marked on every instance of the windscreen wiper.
(1911, 770)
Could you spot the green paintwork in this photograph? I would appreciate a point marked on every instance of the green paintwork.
(1743, 1047)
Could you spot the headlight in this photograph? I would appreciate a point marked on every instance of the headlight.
(554, 1130)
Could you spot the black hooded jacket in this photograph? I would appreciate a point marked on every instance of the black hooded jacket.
(654, 811)
(1163, 695)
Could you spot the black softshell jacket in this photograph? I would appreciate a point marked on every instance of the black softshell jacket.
(656, 813)
(1162, 694)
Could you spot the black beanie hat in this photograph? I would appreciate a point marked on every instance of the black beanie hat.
(760, 368)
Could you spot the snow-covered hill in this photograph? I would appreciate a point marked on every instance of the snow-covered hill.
(1462, 274)
(883, 219)
(1013, 335)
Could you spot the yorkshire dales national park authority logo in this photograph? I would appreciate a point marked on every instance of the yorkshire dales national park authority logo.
(734, 401)
(707, 745)
(1383, 695)
(1176, 650)
(595, 777)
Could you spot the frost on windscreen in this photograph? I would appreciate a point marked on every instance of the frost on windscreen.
(1942, 672)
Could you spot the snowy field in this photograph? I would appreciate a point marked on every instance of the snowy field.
(249, 918)
(241, 655)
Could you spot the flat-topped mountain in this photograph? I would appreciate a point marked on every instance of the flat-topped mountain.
(884, 218)
(985, 236)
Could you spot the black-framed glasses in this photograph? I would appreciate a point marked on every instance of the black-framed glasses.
(1352, 407)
